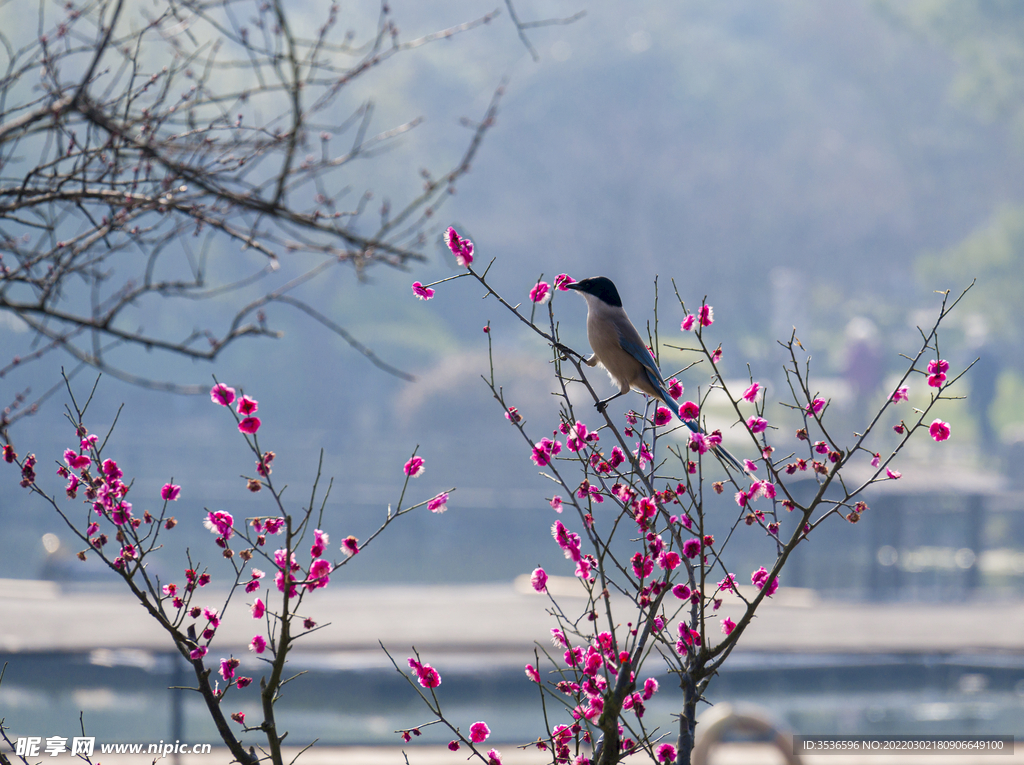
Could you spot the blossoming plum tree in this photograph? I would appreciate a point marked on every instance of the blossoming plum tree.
(108, 526)
(640, 537)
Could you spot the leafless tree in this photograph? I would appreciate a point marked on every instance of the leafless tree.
(144, 145)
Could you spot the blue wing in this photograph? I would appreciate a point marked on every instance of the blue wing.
(639, 352)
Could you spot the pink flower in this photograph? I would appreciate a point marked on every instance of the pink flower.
(893, 474)
(220, 523)
(681, 591)
(532, 673)
(662, 416)
(414, 467)
(478, 732)
(454, 745)
(728, 625)
(540, 293)
(750, 466)
(461, 248)
(350, 546)
(427, 675)
(751, 393)
(544, 450)
(669, 560)
(170, 492)
(423, 293)
(698, 443)
(258, 609)
(650, 688)
(689, 411)
(757, 424)
(197, 653)
(937, 380)
(493, 757)
(539, 580)
(760, 580)
(227, 668)
(815, 406)
(688, 323)
(691, 548)
(556, 504)
(249, 425)
(666, 753)
(513, 416)
(900, 394)
(439, 503)
(258, 644)
(939, 430)
(675, 389)
(76, 461)
(561, 282)
(938, 366)
(320, 541)
(319, 573)
(222, 394)
(247, 405)
(716, 355)
(706, 316)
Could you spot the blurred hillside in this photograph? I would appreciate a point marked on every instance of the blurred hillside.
(824, 166)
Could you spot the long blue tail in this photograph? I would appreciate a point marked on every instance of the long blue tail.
(720, 451)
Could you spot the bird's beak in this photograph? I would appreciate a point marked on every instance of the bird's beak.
(572, 286)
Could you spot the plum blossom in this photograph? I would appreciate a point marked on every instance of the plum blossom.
(423, 293)
(689, 411)
(532, 673)
(319, 574)
(662, 416)
(760, 580)
(815, 406)
(414, 467)
(220, 523)
(249, 425)
(937, 372)
(461, 248)
(691, 548)
(562, 282)
(350, 546)
(666, 753)
(427, 675)
(893, 474)
(688, 323)
(76, 461)
(320, 541)
(258, 609)
(706, 316)
(439, 503)
(248, 405)
(544, 450)
(728, 625)
(541, 293)
(757, 424)
(900, 394)
(170, 492)
(222, 394)
(698, 442)
(674, 388)
(258, 644)
(939, 430)
(539, 580)
(751, 393)
(478, 732)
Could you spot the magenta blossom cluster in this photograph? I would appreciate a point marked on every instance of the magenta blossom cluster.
(247, 407)
(427, 675)
(461, 248)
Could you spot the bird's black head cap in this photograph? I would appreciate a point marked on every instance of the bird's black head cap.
(600, 287)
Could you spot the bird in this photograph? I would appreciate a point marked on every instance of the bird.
(619, 348)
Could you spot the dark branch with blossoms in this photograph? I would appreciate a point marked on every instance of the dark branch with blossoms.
(648, 544)
(109, 528)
